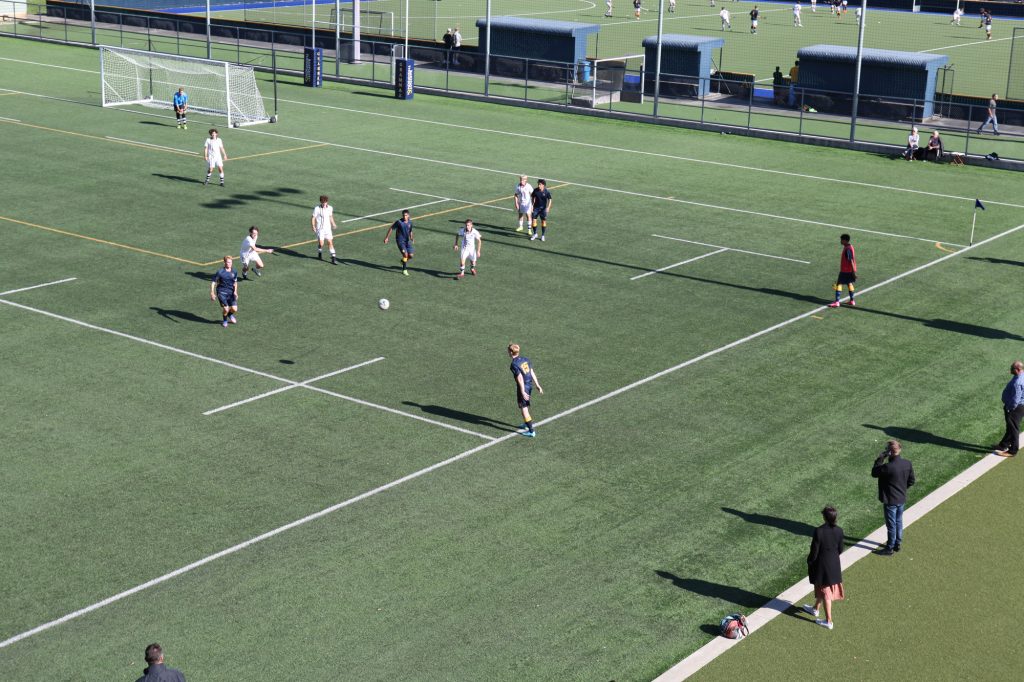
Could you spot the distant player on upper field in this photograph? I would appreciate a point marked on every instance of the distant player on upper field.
(523, 198)
(526, 379)
(986, 19)
(215, 155)
(323, 227)
(637, 7)
(608, 4)
(847, 271)
(796, 15)
(957, 15)
(814, 6)
(470, 246)
(180, 101)
(671, 5)
(224, 290)
(403, 238)
(542, 203)
(251, 253)
(726, 24)
(754, 14)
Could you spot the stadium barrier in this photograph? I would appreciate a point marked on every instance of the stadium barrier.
(731, 102)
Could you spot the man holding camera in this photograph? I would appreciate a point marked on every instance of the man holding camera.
(894, 475)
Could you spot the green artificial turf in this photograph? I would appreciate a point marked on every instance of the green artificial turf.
(607, 547)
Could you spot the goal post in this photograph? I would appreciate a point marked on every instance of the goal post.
(151, 79)
(379, 22)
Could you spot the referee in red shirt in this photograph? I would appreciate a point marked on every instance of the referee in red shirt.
(847, 271)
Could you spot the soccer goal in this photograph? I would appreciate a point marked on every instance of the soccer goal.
(149, 78)
(1015, 76)
(375, 22)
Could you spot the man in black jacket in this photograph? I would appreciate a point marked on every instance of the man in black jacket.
(157, 671)
(894, 475)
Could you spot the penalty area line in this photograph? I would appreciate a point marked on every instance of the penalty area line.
(38, 286)
(472, 451)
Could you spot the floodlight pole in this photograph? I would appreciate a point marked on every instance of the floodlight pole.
(856, 77)
(406, 54)
(92, 19)
(357, 31)
(487, 54)
(209, 49)
(337, 37)
(313, 24)
(657, 58)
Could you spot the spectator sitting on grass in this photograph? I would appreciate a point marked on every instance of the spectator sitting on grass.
(934, 149)
(913, 142)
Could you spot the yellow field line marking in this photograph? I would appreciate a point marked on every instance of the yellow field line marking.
(96, 137)
(102, 241)
(940, 247)
(279, 151)
(818, 317)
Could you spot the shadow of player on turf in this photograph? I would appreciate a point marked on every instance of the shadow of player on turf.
(465, 417)
(179, 178)
(728, 593)
(951, 326)
(206, 276)
(798, 528)
(997, 261)
(908, 435)
(181, 315)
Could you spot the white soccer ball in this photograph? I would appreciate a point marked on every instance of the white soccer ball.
(384, 304)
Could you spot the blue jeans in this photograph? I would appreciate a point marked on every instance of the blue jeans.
(894, 524)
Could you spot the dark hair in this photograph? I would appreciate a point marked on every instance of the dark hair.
(253, 228)
(844, 237)
(323, 198)
(153, 653)
(405, 212)
(829, 513)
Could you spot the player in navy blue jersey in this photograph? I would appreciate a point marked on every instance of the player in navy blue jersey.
(224, 290)
(526, 379)
(403, 238)
(541, 206)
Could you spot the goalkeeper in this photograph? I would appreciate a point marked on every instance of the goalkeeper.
(181, 108)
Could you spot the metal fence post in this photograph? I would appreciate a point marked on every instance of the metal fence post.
(657, 58)
(856, 76)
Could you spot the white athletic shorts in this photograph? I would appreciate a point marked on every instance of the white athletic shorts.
(215, 161)
(754, 23)
(249, 257)
(325, 234)
(467, 254)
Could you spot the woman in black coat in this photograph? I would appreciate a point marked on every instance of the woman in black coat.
(823, 567)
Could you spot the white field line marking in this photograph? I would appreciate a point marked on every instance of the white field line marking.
(592, 145)
(599, 188)
(460, 456)
(780, 604)
(461, 201)
(149, 144)
(240, 368)
(288, 388)
(670, 17)
(676, 265)
(50, 66)
(719, 246)
(396, 210)
(38, 286)
(978, 42)
(12, 120)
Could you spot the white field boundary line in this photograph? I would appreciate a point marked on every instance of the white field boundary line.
(623, 150)
(396, 210)
(780, 604)
(676, 265)
(977, 42)
(11, 120)
(729, 248)
(461, 201)
(599, 188)
(240, 368)
(38, 286)
(462, 455)
(288, 388)
(150, 144)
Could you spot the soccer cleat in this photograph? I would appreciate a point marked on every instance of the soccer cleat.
(334, 260)
(833, 304)
(533, 236)
(807, 608)
(206, 182)
(221, 183)
(528, 434)
(460, 275)
(257, 271)
(852, 303)
(232, 320)
(320, 255)
(519, 229)
(245, 277)
(543, 238)
(472, 271)
(184, 127)
(824, 623)
(224, 323)
(405, 272)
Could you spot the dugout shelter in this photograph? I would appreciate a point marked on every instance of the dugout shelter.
(539, 39)
(901, 76)
(685, 64)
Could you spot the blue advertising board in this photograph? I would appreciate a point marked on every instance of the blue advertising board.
(313, 71)
(404, 72)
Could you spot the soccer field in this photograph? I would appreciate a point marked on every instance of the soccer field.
(329, 490)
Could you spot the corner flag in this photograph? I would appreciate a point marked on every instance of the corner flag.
(974, 217)
(978, 204)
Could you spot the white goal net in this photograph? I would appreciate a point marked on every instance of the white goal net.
(149, 78)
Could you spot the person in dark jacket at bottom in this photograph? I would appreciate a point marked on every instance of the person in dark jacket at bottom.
(157, 671)
(823, 567)
(895, 474)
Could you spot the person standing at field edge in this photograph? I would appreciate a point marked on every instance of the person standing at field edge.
(895, 474)
(847, 271)
(157, 671)
(1013, 410)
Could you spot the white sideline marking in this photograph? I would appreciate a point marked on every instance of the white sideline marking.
(719, 645)
(396, 210)
(479, 448)
(38, 286)
(592, 145)
(288, 388)
(977, 42)
(642, 195)
(12, 120)
(149, 144)
(461, 201)
(729, 248)
(240, 368)
(676, 265)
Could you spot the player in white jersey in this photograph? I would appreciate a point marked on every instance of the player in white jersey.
(523, 198)
(796, 15)
(671, 5)
(957, 13)
(726, 24)
(470, 245)
(323, 227)
(215, 155)
(814, 5)
(251, 253)
(608, 4)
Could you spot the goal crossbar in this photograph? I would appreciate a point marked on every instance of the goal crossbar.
(151, 79)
